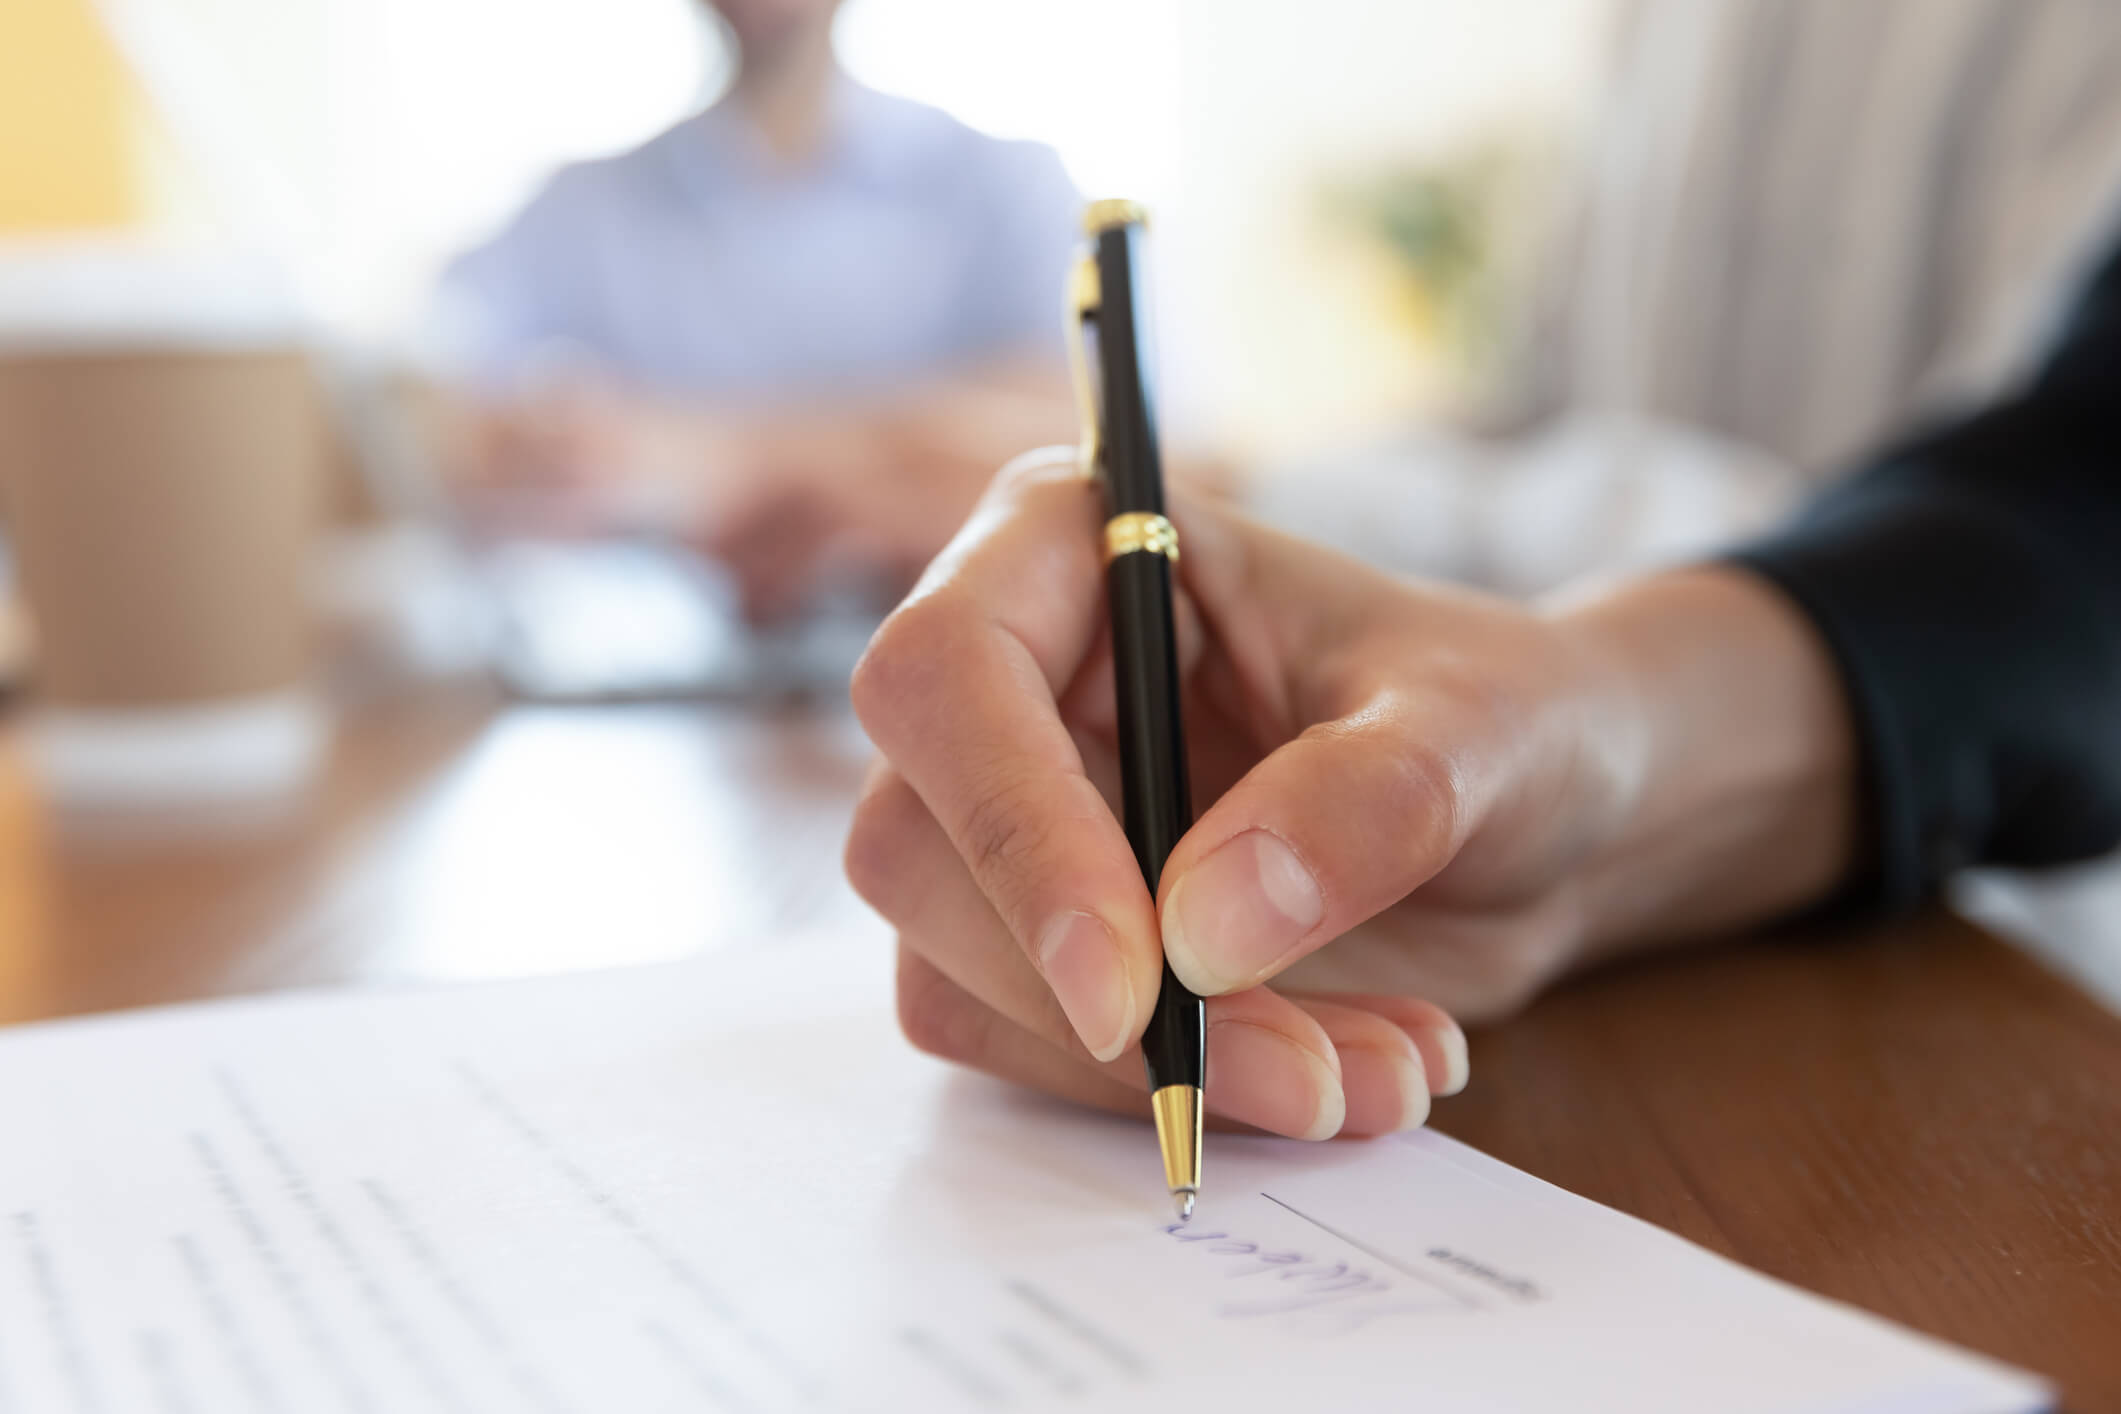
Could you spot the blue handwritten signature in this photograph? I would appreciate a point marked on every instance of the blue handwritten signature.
(1311, 1293)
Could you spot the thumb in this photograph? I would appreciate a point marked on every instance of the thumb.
(1333, 827)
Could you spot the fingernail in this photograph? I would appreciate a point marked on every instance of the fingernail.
(1386, 1092)
(1235, 914)
(1079, 959)
(1263, 1078)
(1457, 1065)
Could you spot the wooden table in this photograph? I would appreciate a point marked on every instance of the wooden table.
(1919, 1120)
(452, 836)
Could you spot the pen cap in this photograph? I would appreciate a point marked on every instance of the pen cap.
(1107, 212)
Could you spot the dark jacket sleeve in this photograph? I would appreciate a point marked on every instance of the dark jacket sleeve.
(1968, 583)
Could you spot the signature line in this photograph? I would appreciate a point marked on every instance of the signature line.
(1425, 1278)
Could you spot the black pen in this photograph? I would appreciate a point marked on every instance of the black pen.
(1141, 549)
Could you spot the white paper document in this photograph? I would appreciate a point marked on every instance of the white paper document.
(730, 1186)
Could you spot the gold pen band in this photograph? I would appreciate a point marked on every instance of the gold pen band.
(1140, 530)
(1178, 1134)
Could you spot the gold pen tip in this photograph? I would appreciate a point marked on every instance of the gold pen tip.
(1182, 1201)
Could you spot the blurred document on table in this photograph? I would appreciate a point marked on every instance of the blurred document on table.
(729, 1185)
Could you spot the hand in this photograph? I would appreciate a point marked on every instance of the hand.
(1406, 793)
(868, 491)
(788, 498)
(584, 456)
(827, 497)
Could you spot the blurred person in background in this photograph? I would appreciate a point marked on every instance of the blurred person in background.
(1795, 226)
(801, 327)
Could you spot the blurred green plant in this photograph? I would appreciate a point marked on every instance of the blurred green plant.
(1443, 226)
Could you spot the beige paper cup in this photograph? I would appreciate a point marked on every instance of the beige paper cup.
(162, 458)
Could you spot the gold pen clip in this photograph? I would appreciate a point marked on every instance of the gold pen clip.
(1085, 298)
(1082, 309)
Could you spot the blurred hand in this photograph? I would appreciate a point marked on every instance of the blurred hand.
(778, 500)
(1410, 796)
(788, 499)
(871, 491)
(583, 456)
(819, 499)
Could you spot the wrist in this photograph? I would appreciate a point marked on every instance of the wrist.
(1745, 799)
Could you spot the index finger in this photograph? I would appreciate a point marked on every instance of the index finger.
(959, 691)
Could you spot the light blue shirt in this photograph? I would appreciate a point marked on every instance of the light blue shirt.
(695, 263)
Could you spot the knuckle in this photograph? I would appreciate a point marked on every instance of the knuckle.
(876, 855)
(1499, 994)
(1424, 790)
(1004, 835)
(880, 682)
(901, 671)
(1502, 995)
(1552, 937)
(1499, 970)
(1055, 463)
(1413, 787)
(934, 1016)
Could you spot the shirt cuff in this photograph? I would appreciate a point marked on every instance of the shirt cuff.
(1963, 642)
